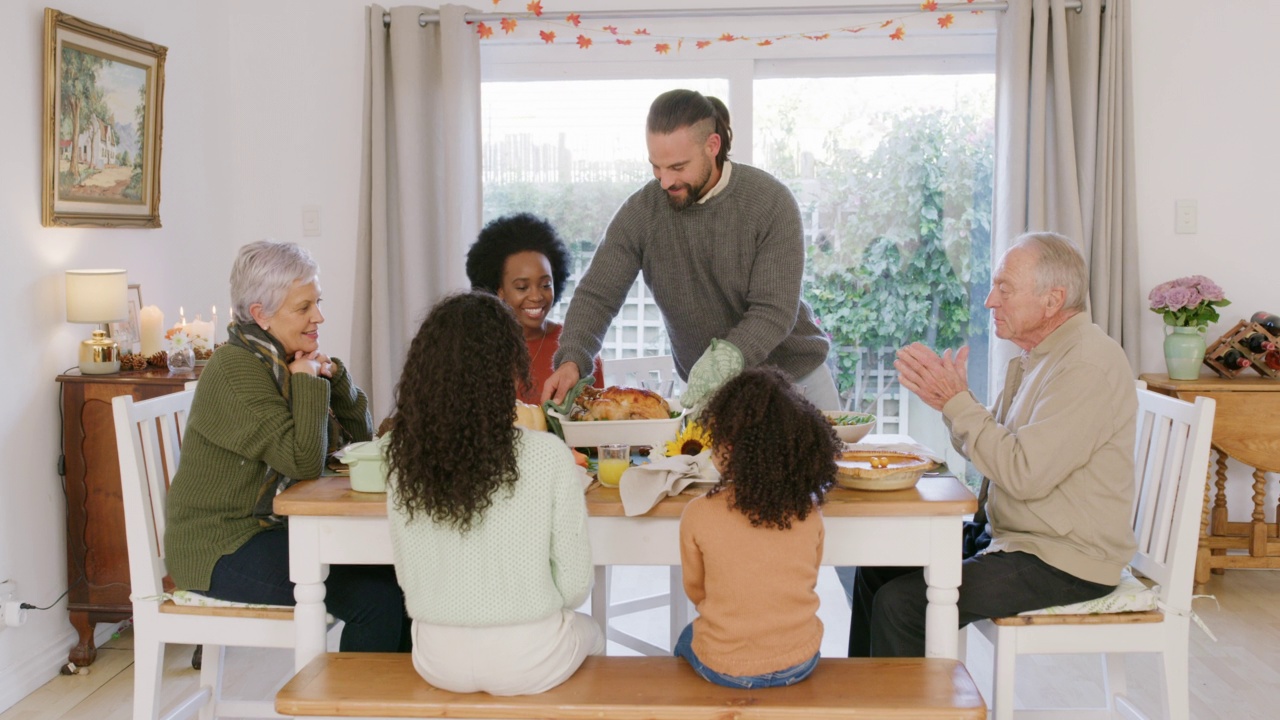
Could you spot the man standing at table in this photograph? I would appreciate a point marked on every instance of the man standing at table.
(721, 247)
(1056, 450)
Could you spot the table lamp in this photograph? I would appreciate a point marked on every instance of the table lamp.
(99, 297)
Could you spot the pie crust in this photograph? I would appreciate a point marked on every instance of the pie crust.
(901, 470)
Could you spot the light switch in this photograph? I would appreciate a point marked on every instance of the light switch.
(1184, 217)
(310, 221)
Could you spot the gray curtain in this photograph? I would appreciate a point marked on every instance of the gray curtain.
(1064, 147)
(420, 192)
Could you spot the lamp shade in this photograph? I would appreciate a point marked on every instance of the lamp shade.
(97, 296)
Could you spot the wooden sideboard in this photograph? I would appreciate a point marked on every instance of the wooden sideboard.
(1246, 427)
(97, 556)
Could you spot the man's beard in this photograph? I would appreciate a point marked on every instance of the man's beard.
(691, 193)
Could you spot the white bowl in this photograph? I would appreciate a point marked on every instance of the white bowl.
(590, 433)
(368, 465)
(850, 433)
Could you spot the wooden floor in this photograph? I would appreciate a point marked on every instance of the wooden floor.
(1233, 678)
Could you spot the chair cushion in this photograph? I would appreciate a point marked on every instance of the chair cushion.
(187, 597)
(1131, 595)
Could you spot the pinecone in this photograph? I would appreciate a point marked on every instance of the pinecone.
(132, 361)
(203, 353)
(159, 359)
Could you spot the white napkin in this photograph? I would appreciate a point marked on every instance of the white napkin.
(912, 448)
(642, 486)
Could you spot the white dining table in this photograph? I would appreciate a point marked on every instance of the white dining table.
(330, 524)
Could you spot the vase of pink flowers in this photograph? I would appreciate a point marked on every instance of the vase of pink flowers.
(1187, 305)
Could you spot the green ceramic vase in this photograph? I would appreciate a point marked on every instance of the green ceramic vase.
(1183, 352)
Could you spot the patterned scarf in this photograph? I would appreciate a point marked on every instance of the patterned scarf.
(266, 348)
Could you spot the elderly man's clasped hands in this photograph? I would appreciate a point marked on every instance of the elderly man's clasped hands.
(934, 378)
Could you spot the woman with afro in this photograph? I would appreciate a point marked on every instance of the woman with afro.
(751, 546)
(488, 522)
(522, 260)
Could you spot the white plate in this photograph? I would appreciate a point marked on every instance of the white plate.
(590, 433)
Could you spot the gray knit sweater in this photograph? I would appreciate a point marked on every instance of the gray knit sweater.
(239, 423)
(729, 268)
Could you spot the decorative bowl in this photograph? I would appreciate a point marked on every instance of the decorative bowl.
(593, 433)
(880, 470)
(850, 426)
(368, 465)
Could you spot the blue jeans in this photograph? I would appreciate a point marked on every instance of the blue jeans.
(365, 597)
(779, 678)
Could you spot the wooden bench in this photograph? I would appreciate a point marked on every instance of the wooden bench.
(385, 685)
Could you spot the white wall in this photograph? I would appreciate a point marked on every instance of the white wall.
(263, 104)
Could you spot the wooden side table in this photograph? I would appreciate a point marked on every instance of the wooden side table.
(97, 555)
(1246, 427)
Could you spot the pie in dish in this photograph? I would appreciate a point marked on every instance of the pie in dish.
(880, 470)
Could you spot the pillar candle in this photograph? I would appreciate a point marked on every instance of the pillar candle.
(214, 340)
(151, 322)
(200, 332)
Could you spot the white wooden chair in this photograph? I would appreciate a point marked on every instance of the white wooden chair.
(148, 440)
(650, 372)
(1171, 459)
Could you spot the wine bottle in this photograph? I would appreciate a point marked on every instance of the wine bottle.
(1234, 360)
(1272, 359)
(1257, 343)
(1268, 321)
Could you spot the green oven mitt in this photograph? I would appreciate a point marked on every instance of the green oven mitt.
(553, 423)
(718, 364)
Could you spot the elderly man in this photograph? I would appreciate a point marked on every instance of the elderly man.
(1056, 450)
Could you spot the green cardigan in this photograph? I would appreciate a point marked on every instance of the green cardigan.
(239, 423)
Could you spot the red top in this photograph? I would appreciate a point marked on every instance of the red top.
(540, 354)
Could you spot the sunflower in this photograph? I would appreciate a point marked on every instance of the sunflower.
(693, 439)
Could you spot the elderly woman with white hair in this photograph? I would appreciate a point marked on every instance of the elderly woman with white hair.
(269, 409)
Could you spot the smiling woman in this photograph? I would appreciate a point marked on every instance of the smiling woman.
(522, 260)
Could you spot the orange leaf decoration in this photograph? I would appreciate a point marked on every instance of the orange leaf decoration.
(898, 34)
(495, 2)
(584, 42)
(823, 36)
(727, 37)
(641, 31)
(611, 29)
(765, 43)
(548, 36)
(535, 7)
(484, 31)
(886, 23)
(624, 41)
(662, 48)
(945, 21)
(703, 43)
(509, 25)
(930, 5)
(574, 18)
(854, 30)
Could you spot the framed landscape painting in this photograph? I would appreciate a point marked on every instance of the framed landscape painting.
(103, 102)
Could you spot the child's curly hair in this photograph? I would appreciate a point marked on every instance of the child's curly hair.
(779, 450)
(453, 444)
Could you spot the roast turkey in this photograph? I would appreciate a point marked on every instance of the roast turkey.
(619, 403)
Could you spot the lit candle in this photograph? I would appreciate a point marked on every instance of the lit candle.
(214, 340)
(151, 322)
(182, 317)
(200, 332)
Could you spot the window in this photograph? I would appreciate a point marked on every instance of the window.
(887, 146)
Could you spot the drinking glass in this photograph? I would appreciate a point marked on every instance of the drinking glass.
(612, 461)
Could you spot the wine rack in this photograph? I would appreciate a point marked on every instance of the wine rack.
(1234, 340)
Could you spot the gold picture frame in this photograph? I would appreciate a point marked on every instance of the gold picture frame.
(103, 116)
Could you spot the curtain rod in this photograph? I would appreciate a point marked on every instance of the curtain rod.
(425, 18)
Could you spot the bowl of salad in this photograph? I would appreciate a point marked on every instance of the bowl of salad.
(850, 426)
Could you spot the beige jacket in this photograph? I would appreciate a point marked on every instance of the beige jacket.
(1060, 461)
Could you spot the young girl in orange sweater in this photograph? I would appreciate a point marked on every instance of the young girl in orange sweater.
(752, 545)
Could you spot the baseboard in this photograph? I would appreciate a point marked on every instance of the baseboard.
(25, 678)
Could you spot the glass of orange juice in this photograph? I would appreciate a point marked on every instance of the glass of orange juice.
(612, 461)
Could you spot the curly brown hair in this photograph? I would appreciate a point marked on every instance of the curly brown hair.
(453, 444)
(779, 451)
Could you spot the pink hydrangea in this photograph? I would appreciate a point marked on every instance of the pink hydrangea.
(1188, 301)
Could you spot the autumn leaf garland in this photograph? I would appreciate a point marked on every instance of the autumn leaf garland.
(584, 40)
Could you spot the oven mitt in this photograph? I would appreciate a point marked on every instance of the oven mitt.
(718, 364)
(553, 422)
